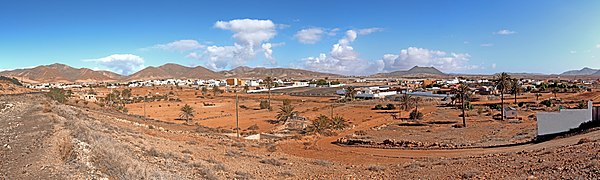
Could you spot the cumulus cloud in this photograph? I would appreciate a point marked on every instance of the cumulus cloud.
(505, 32)
(413, 56)
(573, 52)
(309, 35)
(494, 66)
(342, 59)
(123, 64)
(598, 46)
(180, 45)
(251, 35)
(486, 45)
(269, 53)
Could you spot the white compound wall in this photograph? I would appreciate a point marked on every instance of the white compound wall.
(563, 121)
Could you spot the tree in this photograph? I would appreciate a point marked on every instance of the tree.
(216, 90)
(463, 92)
(515, 88)
(350, 92)
(338, 123)
(502, 83)
(406, 103)
(204, 90)
(537, 96)
(416, 101)
(187, 112)
(555, 91)
(246, 88)
(286, 112)
(320, 124)
(126, 93)
(269, 84)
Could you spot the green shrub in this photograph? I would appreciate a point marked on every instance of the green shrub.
(390, 106)
(264, 104)
(57, 95)
(547, 103)
(416, 115)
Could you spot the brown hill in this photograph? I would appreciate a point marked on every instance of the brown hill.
(413, 72)
(174, 71)
(61, 73)
(248, 72)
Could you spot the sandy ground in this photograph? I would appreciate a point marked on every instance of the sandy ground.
(56, 141)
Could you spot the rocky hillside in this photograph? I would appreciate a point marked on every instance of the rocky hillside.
(61, 73)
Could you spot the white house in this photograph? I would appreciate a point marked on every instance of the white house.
(510, 112)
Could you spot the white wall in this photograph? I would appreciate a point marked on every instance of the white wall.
(565, 120)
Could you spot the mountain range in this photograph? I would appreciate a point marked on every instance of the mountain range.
(583, 72)
(413, 72)
(62, 73)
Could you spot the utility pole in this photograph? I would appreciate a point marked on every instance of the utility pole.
(237, 120)
(331, 110)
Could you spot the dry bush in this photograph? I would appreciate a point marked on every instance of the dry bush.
(243, 176)
(273, 162)
(187, 151)
(376, 168)
(66, 150)
(253, 127)
(322, 163)
(286, 174)
(272, 148)
(232, 153)
(192, 142)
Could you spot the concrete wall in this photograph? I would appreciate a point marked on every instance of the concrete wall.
(565, 120)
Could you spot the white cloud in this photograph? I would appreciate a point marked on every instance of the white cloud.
(180, 45)
(505, 32)
(333, 31)
(486, 45)
(249, 31)
(598, 46)
(573, 52)
(369, 31)
(123, 64)
(413, 56)
(494, 66)
(251, 36)
(309, 35)
(342, 59)
(269, 53)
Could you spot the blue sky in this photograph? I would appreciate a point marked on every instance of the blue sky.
(346, 37)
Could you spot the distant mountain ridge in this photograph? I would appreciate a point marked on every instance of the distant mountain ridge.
(260, 72)
(414, 71)
(583, 72)
(62, 73)
(176, 71)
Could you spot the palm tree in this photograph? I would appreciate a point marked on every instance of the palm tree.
(463, 92)
(406, 103)
(502, 83)
(246, 88)
(187, 112)
(416, 101)
(286, 112)
(515, 88)
(537, 96)
(350, 93)
(554, 91)
(338, 123)
(269, 84)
